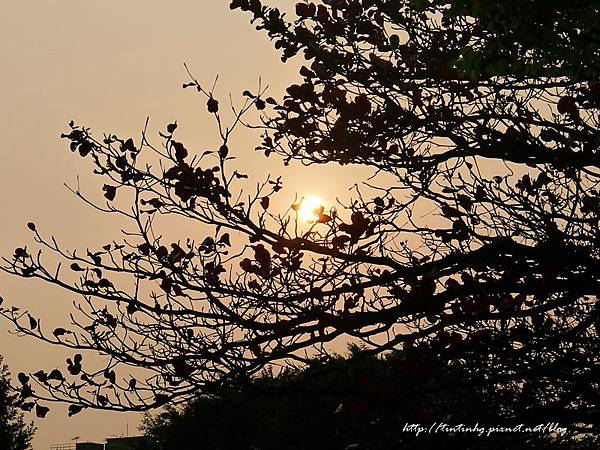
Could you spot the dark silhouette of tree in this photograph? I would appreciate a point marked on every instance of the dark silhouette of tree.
(350, 403)
(476, 239)
(530, 39)
(15, 434)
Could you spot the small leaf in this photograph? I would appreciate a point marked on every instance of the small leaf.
(264, 202)
(23, 379)
(109, 191)
(132, 384)
(305, 9)
(41, 411)
(225, 239)
(102, 400)
(41, 376)
(59, 332)
(567, 105)
(104, 283)
(110, 375)
(449, 211)
(180, 152)
(144, 248)
(172, 127)
(223, 151)
(56, 375)
(27, 406)
(31, 226)
(26, 391)
(74, 409)
(213, 105)
(128, 146)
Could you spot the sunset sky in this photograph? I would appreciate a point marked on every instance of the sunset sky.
(441, 212)
(108, 65)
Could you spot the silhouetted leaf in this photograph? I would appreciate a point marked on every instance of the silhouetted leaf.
(264, 202)
(172, 127)
(74, 409)
(41, 376)
(213, 105)
(21, 253)
(28, 406)
(104, 283)
(110, 375)
(224, 239)
(56, 374)
(23, 379)
(449, 211)
(76, 267)
(109, 191)
(305, 10)
(128, 145)
(60, 331)
(223, 151)
(246, 265)
(144, 248)
(41, 411)
(180, 152)
(567, 105)
(26, 391)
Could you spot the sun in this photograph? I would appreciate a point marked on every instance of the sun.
(310, 208)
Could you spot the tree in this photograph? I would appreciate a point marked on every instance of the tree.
(353, 402)
(15, 434)
(476, 239)
(531, 39)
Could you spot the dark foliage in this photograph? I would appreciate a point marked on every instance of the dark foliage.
(351, 403)
(477, 240)
(15, 433)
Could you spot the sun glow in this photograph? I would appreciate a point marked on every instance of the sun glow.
(310, 208)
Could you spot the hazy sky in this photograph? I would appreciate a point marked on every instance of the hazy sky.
(108, 64)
